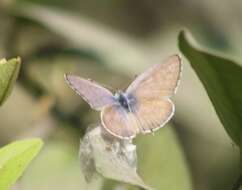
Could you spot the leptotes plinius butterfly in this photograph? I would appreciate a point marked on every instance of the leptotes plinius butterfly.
(144, 106)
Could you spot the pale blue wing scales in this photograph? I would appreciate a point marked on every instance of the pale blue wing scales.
(94, 94)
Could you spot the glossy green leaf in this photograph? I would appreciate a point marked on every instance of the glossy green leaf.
(14, 158)
(222, 79)
(8, 74)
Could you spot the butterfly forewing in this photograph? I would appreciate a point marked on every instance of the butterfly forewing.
(94, 94)
(160, 81)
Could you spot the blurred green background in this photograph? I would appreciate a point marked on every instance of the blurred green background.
(111, 42)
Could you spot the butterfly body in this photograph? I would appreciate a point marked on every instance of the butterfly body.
(124, 100)
(143, 107)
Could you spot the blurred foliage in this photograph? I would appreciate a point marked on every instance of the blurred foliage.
(220, 78)
(8, 74)
(111, 42)
(14, 158)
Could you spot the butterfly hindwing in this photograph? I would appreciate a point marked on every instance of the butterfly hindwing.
(153, 114)
(94, 94)
(120, 123)
(147, 116)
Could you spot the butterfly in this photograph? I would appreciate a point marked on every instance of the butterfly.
(143, 107)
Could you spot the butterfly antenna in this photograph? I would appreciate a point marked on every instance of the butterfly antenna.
(103, 85)
(108, 87)
(126, 85)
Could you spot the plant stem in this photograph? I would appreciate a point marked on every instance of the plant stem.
(238, 183)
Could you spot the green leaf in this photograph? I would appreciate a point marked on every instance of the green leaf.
(14, 158)
(222, 79)
(8, 74)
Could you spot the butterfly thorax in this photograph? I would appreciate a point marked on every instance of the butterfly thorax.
(123, 101)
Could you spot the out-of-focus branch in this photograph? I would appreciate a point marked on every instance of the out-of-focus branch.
(33, 87)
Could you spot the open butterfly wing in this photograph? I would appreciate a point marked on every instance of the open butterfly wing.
(160, 81)
(120, 123)
(151, 92)
(94, 94)
(147, 116)
(153, 114)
